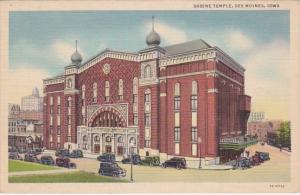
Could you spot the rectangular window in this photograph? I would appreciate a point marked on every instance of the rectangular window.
(194, 134)
(176, 103)
(147, 119)
(51, 109)
(120, 97)
(135, 98)
(147, 143)
(58, 109)
(69, 120)
(58, 130)
(194, 149)
(147, 97)
(51, 130)
(106, 98)
(194, 104)
(177, 134)
(135, 119)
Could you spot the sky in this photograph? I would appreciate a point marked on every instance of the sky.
(41, 43)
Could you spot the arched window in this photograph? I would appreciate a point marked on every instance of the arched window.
(108, 139)
(194, 88)
(120, 89)
(177, 89)
(121, 139)
(83, 92)
(106, 91)
(95, 92)
(135, 85)
(132, 141)
(147, 71)
(96, 138)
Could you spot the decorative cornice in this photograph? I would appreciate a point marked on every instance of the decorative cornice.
(55, 80)
(109, 54)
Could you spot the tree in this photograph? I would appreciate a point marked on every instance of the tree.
(283, 134)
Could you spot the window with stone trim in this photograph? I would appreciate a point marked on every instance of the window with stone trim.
(95, 91)
(176, 103)
(147, 71)
(106, 95)
(194, 88)
(194, 134)
(147, 119)
(135, 119)
(135, 85)
(147, 144)
(194, 102)
(177, 134)
(120, 91)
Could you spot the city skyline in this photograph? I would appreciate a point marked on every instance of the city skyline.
(38, 50)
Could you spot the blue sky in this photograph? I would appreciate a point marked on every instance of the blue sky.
(44, 41)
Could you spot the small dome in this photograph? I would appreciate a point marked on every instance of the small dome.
(153, 39)
(76, 58)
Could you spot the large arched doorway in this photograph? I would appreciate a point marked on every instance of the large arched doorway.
(107, 117)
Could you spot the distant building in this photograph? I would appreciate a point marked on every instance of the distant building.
(32, 102)
(263, 129)
(256, 116)
(25, 124)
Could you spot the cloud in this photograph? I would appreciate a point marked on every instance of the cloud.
(63, 50)
(20, 82)
(267, 78)
(169, 34)
(238, 41)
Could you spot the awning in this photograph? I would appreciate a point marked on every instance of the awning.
(236, 143)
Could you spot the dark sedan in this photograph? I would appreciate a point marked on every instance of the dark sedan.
(31, 158)
(65, 162)
(76, 154)
(136, 159)
(107, 157)
(47, 160)
(176, 162)
(14, 156)
(62, 152)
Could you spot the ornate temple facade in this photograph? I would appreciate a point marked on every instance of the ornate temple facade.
(177, 100)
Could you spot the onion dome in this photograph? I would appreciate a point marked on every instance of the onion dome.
(76, 57)
(153, 37)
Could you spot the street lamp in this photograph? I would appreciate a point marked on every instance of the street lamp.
(131, 144)
(199, 142)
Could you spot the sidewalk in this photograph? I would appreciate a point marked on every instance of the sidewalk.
(216, 167)
(42, 172)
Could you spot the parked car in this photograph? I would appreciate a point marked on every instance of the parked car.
(14, 156)
(22, 150)
(242, 163)
(62, 152)
(76, 154)
(38, 150)
(65, 162)
(31, 158)
(47, 160)
(136, 159)
(111, 169)
(264, 156)
(107, 157)
(255, 160)
(151, 161)
(176, 162)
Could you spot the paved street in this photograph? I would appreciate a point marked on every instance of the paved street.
(275, 170)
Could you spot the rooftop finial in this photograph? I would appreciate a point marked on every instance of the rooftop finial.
(76, 45)
(152, 23)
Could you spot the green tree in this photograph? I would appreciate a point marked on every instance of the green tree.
(283, 134)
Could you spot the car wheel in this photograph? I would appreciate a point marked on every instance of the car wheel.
(178, 167)
(114, 175)
(164, 165)
(101, 172)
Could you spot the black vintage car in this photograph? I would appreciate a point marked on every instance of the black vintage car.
(62, 152)
(242, 163)
(31, 158)
(178, 163)
(14, 156)
(107, 157)
(263, 156)
(76, 154)
(111, 169)
(136, 159)
(47, 160)
(63, 161)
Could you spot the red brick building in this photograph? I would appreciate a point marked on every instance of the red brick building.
(178, 100)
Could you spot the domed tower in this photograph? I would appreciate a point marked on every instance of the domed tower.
(150, 86)
(153, 38)
(76, 58)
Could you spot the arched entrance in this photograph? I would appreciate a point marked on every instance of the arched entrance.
(107, 117)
